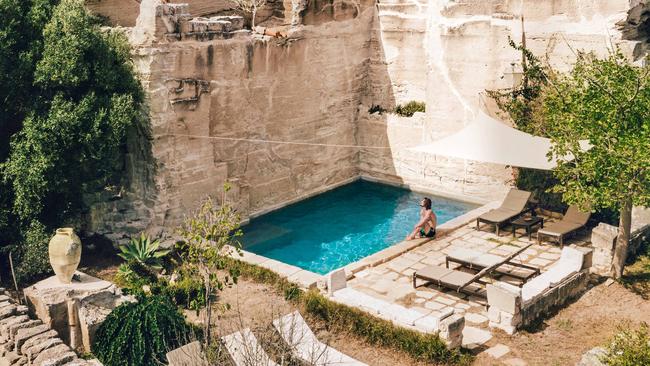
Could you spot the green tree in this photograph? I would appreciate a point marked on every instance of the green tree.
(209, 236)
(69, 97)
(21, 45)
(86, 99)
(606, 102)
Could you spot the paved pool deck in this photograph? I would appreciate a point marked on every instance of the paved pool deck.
(392, 280)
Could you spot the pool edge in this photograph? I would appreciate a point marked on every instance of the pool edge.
(307, 279)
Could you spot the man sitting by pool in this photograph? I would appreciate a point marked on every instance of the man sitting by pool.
(426, 227)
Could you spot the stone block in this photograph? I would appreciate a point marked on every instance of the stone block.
(22, 335)
(36, 340)
(188, 355)
(504, 297)
(33, 351)
(494, 314)
(604, 236)
(498, 351)
(336, 280)
(55, 356)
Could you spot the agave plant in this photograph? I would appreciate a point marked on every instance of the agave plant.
(144, 251)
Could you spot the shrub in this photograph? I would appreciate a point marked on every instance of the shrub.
(409, 109)
(188, 292)
(376, 109)
(141, 333)
(629, 347)
(144, 251)
(34, 262)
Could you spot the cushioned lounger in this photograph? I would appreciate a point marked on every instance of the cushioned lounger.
(245, 350)
(512, 206)
(476, 260)
(461, 281)
(573, 220)
(451, 279)
(296, 333)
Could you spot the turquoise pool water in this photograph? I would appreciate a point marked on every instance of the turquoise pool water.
(341, 226)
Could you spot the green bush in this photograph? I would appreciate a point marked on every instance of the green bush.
(33, 257)
(187, 292)
(143, 250)
(141, 333)
(409, 109)
(630, 347)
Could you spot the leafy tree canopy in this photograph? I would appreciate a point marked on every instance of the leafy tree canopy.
(607, 103)
(70, 96)
(86, 98)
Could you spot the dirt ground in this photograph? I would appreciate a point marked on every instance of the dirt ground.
(560, 340)
(254, 305)
(588, 322)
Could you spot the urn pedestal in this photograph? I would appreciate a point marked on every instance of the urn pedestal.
(65, 254)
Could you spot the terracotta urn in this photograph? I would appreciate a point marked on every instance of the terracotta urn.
(65, 253)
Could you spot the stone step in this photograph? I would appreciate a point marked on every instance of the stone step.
(36, 340)
(7, 322)
(55, 356)
(13, 329)
(37, 348)
(23, 335)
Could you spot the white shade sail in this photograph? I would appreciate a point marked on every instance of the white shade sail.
(491, 141)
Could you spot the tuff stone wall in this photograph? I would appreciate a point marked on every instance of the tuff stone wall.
(210, 77)
(447, 53)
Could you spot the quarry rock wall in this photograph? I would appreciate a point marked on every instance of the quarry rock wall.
(448, 53)
(211, 83)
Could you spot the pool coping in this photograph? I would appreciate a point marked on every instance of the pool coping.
(307, 279)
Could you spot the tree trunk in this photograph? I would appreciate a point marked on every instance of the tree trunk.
(208, 314)
(620, 250)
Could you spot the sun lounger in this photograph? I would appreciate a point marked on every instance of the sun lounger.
(461, 281)
(573, 220)
(245, 350)
(512, 207)
(304, 344)
(473, 259)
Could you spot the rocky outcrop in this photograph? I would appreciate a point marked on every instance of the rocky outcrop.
(24, 341)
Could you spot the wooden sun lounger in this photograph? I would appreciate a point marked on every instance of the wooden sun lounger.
(513, 206)
(573, 220)
(460, 281)
(245, 350)
(476, 260)
(303, 342)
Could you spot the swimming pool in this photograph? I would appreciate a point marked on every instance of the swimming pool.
(341, 226)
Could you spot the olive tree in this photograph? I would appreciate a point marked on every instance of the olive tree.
(607, 103)
(209, 235)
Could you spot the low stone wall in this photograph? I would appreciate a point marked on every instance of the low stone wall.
(603, 239)
(511, 308)
(25, 341)
(555, 297)
(448, 326)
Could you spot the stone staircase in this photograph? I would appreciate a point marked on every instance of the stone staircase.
(25, 341)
